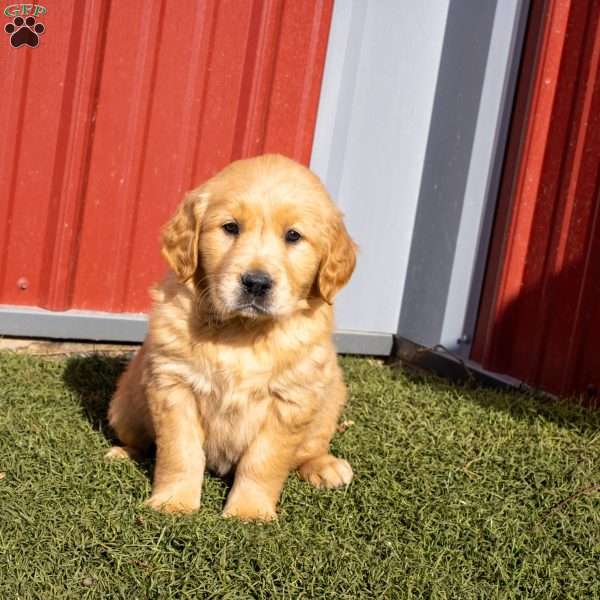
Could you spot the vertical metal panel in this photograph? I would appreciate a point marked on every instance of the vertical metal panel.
(473, 100)
(371, 141)
(409, 143)
(119, 110)
(540, 316)
(483, 178)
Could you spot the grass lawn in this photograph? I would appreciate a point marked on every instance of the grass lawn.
(458, 493)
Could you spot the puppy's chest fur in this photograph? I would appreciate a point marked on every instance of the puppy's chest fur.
(238, 393)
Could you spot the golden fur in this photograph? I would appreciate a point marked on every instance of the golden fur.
(226, 386)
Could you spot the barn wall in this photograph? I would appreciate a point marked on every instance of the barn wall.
(121, 108)
(540, 315)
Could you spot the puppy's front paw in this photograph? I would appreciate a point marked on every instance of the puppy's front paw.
(249, 509)
(174, 499)
(326, 472)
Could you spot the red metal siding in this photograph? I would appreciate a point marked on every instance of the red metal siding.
(540, 314)
(121, 108)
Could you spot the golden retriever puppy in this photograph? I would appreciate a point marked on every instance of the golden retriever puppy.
(238, 371)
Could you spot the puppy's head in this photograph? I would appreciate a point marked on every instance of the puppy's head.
(259, 239)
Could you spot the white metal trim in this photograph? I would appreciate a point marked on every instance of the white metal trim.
(131, 327)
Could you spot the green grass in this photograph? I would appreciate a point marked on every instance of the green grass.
(458, 493)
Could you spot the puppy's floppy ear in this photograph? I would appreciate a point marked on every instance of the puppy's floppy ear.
(338, 261)
(180, 236)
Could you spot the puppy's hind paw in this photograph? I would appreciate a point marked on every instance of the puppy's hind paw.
(326, 472)
(123, 453)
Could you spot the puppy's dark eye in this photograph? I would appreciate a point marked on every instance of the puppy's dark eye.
(292, 236)
(231, 228)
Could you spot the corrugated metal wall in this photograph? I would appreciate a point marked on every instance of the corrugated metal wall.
(121, 108)
(540, 313)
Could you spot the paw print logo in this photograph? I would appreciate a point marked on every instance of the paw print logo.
(24, 32)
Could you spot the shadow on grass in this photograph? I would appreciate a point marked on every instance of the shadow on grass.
(529, 405)
(93, 378)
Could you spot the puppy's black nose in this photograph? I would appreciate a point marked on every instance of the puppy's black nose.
(257, 283)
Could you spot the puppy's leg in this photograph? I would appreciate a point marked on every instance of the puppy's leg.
(180, 459)
(259, 478)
